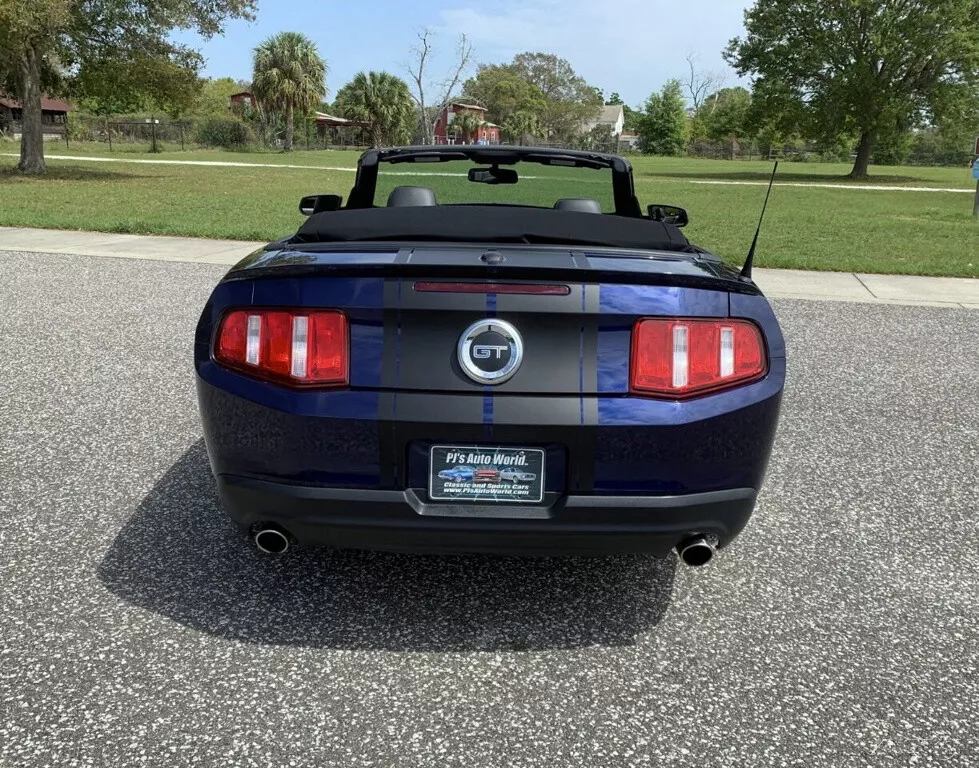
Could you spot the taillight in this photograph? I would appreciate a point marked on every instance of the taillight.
(679, 357)
(290, 346)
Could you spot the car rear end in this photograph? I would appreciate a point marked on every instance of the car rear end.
(337, 395)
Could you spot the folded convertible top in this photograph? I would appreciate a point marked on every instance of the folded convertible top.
(490, 224)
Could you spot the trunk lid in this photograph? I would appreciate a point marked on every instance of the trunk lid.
(406, 338)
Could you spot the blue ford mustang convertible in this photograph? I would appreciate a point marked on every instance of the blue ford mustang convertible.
(511, 311)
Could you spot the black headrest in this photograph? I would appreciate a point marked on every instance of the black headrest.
(580, 204)
(404, 197)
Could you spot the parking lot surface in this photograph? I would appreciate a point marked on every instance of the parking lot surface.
(138, 628)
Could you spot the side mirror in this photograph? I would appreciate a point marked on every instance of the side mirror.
(668, 214)
(318, 203)
(493, 175)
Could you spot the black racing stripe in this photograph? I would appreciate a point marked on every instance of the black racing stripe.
(431, 414)
(391, 470)
(387, 399)
(520, 418)
(526, 303)
(587, 450)
(536, 421)
(580, 260)
(489, 395)
(425, 301)
(391, 317)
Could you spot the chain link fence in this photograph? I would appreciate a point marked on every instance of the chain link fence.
(734, 149)
(155, 134)
(921, 154)
(933, 157)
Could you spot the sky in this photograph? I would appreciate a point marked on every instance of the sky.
(628, 46)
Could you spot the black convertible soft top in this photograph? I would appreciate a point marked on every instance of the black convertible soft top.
(490, 224)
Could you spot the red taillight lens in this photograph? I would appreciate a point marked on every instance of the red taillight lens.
(328, 345)
(679, 357)
(290, 346)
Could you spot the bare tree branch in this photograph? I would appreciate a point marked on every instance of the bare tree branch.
(700, 85)
(421, 52)
(464, 51)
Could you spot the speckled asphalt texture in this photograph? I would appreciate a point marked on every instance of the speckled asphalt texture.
(137, 628)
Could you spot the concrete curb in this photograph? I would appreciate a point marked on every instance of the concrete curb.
(907, 290)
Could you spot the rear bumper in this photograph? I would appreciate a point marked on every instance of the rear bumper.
(405, 521)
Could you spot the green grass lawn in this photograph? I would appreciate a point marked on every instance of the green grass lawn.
(929, 233)
(683, 169)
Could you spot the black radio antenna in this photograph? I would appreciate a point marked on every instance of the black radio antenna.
(746, 269)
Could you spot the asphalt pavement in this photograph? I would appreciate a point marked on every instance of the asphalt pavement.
(138, 629)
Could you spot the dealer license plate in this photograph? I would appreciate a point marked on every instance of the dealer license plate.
(486, 474)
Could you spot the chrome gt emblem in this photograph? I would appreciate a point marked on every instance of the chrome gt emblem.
(490, 351)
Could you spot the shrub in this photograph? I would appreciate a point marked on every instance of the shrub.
(226, 132)
(77, 128)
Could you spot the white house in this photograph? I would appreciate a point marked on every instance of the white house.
(611, 116)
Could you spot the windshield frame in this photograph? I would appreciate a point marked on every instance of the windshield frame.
(623, 188)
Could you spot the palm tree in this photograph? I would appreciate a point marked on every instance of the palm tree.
(467, 124)
(520, 125)
(289, 75)
(381, 100)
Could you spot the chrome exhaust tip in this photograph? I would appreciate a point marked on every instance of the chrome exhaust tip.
(272, 541)
(696, 551)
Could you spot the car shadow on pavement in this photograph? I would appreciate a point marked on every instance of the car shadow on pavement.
(181, 557)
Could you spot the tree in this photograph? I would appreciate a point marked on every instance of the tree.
(540, 83)
(466, 125)
(599, 139)
(859, 66)
(614, 99)
(381, 100)
(568, 99)
(949, 144)
(429, 113)
(662, 123)
(519, 126)
(289, 76)
(145, 83)
(94, 97)
(698, 83)
(214, 99)
(43, 43)
(723, 116)
(503, 92)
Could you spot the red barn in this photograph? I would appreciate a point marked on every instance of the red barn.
(487, 133)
